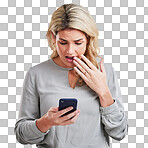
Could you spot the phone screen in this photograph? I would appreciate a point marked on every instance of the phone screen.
(67, 102)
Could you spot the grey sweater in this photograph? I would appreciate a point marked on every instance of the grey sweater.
(44, 85)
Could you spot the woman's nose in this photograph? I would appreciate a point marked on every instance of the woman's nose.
(70, 49)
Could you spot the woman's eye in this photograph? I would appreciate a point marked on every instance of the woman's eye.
(63, 43)
(66, 43)
(78, 43)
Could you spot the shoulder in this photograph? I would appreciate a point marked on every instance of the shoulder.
(108, 66)
(108, 69)
(40, 68)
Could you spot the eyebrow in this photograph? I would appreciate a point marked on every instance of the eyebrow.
(74, 40)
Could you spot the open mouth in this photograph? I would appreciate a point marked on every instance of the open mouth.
(69, 58)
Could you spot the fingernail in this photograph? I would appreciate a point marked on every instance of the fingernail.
(75, 58)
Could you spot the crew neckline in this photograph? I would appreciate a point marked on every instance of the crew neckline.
(60, 66)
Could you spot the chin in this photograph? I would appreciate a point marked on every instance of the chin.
(68, 64)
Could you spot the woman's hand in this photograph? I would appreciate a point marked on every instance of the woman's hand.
(94, 78)
(53, 118)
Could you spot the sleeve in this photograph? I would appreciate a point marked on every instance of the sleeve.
(113, 116)
(25, 128)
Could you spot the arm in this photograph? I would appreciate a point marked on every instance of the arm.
(31, 128)
(113, 116)
(25, 129)
(112, 112)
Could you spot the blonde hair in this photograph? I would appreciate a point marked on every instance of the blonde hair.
(72, 16)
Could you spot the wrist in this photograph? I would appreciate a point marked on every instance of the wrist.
(106, 98)
(43, 124)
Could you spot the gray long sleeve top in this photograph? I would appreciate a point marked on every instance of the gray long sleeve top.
(44, 85)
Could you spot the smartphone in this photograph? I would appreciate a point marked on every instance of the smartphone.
(67, 102)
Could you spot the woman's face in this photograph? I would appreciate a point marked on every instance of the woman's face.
(70, 43)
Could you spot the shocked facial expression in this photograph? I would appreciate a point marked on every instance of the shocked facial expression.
(69, 43)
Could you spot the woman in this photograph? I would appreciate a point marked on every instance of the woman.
(72, 72)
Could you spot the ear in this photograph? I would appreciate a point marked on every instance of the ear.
(53, 37)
